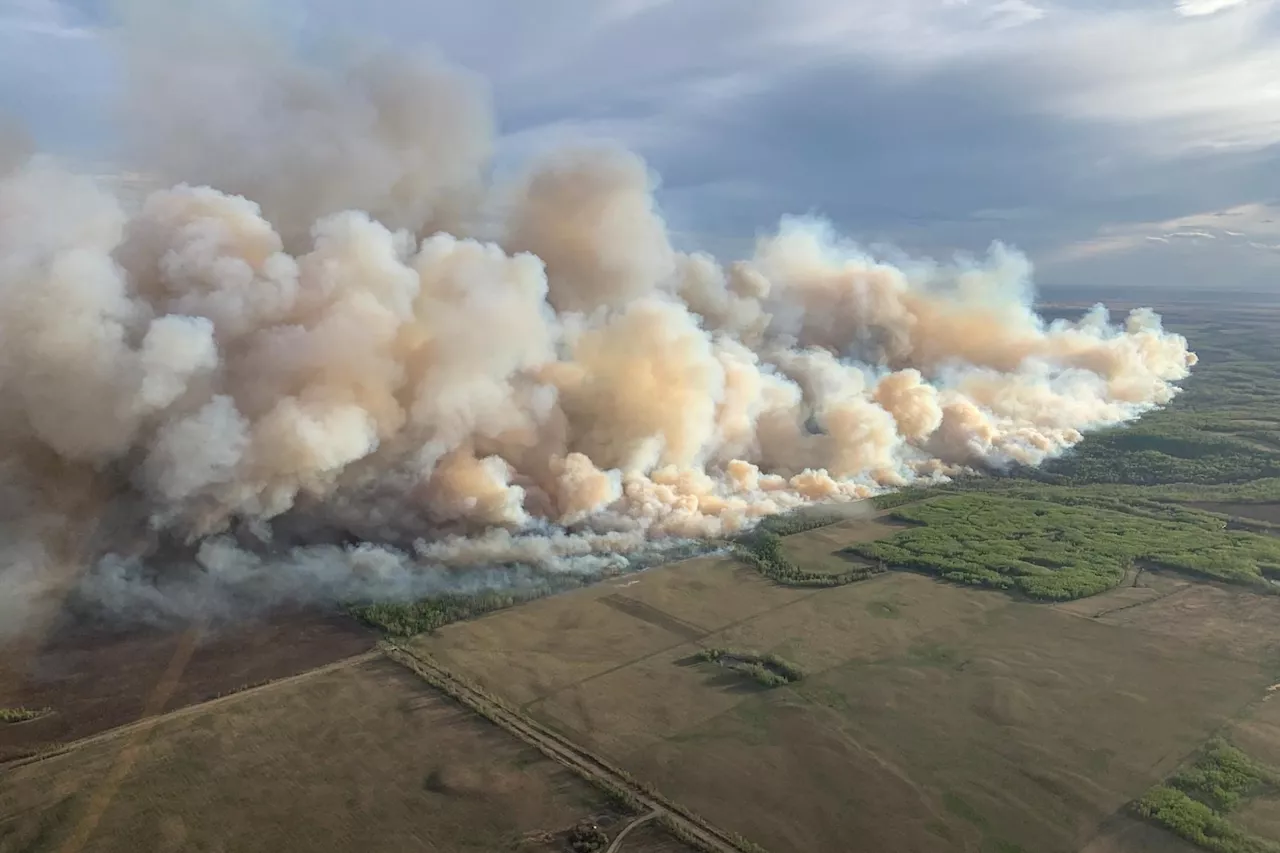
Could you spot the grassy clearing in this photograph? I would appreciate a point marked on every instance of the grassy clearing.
(768, 670)
(1056, 552)
(22, 715)
(1193, 803)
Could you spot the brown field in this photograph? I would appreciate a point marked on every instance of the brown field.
(365, 757)
(1269, 512)
(1141, 586)
(94, 681)
(1123, 834)
(934, 717)
(818, 550)
(1221, 620)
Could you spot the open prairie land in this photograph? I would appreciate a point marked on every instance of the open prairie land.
(361, 757)
(933, 716)
(92, 681)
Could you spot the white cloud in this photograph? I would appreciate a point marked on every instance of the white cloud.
(1256, 223)
(1196, 8)
(1015, 13)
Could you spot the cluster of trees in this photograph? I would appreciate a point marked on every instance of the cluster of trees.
(1194, 802)
(794, 522)
(762, 549)
(1056, 551)
(587, 837)
(768, 670)
(1198, 823)
(406, 619)
(1223, 775)
(21, 715)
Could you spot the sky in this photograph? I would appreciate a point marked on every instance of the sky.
(1117, 142)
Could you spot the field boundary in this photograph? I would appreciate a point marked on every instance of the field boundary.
(595, 770)
(146, 723)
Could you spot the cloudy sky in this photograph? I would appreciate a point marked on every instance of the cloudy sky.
(1117, 142)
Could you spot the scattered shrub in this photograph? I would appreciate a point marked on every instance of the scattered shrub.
(21, 715)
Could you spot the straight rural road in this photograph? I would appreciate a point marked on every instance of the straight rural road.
(569, 754)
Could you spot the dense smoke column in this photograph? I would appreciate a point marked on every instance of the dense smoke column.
(310, 337)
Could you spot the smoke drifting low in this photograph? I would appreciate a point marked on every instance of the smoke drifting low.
(330, 328)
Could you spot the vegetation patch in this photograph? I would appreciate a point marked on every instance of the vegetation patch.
(406, 619)
(587, 837)
(766, 670)
(1194, 802)
(1223, 775)
(1057, 551)
(791, 523)
(762, 549)
(22, 715)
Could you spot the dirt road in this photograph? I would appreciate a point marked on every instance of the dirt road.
(640, 821)
(683, 824)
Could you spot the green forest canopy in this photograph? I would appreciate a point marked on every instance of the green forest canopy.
(1055, 551)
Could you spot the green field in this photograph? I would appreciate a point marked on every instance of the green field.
(931, 716)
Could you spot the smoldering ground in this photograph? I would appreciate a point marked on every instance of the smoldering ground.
(326, 357)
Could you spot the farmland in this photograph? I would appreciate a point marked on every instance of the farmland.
(360, 757)
(932, 716)
(1011, 662)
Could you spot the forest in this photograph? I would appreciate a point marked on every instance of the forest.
(1063, 550)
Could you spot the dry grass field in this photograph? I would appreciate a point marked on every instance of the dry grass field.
(94, 680)
(360, 758)
(934, 717)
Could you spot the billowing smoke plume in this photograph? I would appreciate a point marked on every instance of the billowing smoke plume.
(290, 346)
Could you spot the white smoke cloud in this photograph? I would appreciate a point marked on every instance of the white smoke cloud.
(311, 329)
